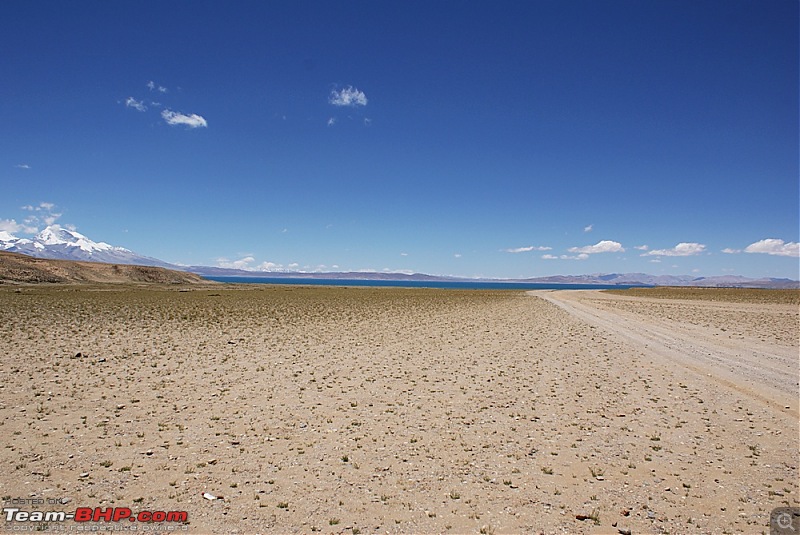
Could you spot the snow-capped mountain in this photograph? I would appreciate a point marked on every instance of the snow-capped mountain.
(56, 242)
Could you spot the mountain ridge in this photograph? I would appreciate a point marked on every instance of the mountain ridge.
(58, 243)
(18, 268)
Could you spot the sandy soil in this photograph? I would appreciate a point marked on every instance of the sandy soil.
(344, 410)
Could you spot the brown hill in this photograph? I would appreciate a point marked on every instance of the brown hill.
(21, 269)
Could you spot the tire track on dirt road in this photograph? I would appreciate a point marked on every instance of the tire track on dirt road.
(769, 374)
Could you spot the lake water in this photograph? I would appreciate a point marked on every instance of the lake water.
(453, 285)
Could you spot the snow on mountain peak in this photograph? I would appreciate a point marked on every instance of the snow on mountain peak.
(57, 235)
(6, 236)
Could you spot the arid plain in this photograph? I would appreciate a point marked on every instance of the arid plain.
(358, 410)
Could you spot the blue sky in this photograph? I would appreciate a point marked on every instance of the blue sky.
(501, 139)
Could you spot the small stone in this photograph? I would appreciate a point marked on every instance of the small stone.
(83, 474)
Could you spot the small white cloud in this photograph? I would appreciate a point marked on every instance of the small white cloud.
(588, 228)
(527, 249)
(773, 246)
(457, 255)
(152, 86)
(642, 247)
(604, 246)
(728, 250)
(682, 249)
(367, 121)
(192, 120)
(22, 166)
(331, 121)
(246, 264)
(269, 266)
(42, 213)
(10, 225)
(242, 263)
(349, 96)
(138, 105)
(582, 256)
(403, 254)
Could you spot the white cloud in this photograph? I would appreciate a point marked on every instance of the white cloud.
(242, 263)
(22, 166)
(192, 120)
(588, 228)
(728, 250)
(527, 249)
(269, 266)
(10, 225)
(457, 255)
(604, 246)
(682, 249)
(138, 105)
(42, 213)
(331, 121)
(349, 96)
(582, 256)
(642, 247)
(246, 263)
(773, 246)
(152, 86)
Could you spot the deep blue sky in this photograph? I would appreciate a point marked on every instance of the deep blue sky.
(423, 136)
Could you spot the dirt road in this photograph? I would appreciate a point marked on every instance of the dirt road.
(752, 348)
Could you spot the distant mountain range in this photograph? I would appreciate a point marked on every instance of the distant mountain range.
(59, 243)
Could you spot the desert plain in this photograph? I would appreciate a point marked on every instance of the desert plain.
(375, 410)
